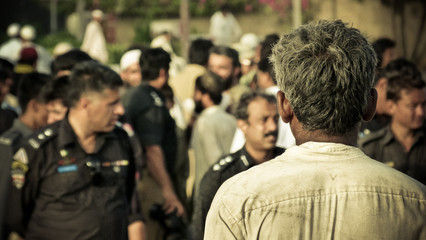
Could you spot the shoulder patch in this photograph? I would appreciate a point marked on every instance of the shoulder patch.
(41, 137)
(21, 156)
(19, 167)
(371, 137)
(157, 100)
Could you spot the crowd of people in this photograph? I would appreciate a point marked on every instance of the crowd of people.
(314, 134)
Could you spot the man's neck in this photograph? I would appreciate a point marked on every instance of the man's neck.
(303, 136)
(86, 137)
(28, 120)
(405, 136)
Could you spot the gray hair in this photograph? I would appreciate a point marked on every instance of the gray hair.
(326, 71)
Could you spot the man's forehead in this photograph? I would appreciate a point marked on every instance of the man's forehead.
(219, 56)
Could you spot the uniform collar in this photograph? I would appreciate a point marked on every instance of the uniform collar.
(250, 159)
(390, 137)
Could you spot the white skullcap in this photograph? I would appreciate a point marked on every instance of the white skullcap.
(129, 58)
(249, 40)
(246, 47)
(61, 48)
(28, 33)
(13, 30)
(97, 13)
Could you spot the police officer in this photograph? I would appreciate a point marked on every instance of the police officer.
(74, 179)
(155, 129)
(257, 117)
(34, 116)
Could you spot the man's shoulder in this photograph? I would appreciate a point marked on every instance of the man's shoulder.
(373, 138)
(42, 136)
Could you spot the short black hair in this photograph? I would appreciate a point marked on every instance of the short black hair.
(68, 60)
(267, 44)
(91, 76)
(31, 86)
(229, 52)
(57, 89)
(380, 46)
(212, 84)
(199, 51)
(400, 82)
(241, 111)
(266, 66)
(152, 61)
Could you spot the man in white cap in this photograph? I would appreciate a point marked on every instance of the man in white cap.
(130, 73)
(94, 42)
(10, 49)
(28, 34)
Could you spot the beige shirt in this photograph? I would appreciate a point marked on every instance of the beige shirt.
(319, 191)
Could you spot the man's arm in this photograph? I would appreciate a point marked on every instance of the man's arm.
(157, 168)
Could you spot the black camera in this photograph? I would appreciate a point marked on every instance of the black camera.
(173, 225)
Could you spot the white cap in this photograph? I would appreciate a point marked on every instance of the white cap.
(246, 47)
(28, 33)
(61, 48)
(129, 58)
(97, 13)
(13, 30)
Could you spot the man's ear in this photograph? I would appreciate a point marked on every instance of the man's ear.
(242, 124)
(236, 71)
(284, 108)
(371, 106)
(32, 105)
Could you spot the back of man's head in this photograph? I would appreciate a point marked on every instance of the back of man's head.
(199, 51)
(57, 89)
(212, 84)
(91, 76)
(267, 44)
(325, 70)
(380, 46)
(266, 66)
(31, 87)
(229, 52)
(66, 61)
(152, 61)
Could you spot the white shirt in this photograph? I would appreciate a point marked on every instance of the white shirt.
(319, 191)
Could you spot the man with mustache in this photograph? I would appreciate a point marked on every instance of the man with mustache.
(257, 117)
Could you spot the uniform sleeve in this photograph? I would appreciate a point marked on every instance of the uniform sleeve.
(25, 173)
(149, 126)
(208, 188)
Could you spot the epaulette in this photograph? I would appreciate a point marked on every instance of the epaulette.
(125, 127)
(372, 137)
(226, 161)
(9, 137)
(39, 138)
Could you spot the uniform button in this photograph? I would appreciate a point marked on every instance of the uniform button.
(216, 167)
(41, 136)
(48, 132)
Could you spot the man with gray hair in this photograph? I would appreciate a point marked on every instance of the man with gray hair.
(324, 187)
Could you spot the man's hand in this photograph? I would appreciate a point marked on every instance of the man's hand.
(171, 203)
